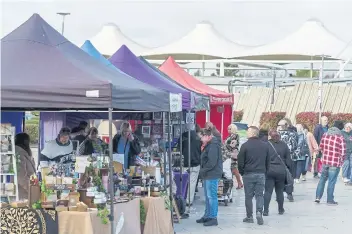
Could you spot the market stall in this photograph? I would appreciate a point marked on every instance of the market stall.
(56, 75)
(220, 102)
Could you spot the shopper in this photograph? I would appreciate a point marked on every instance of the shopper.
(126, 143)
(214, 130)
(230, 150)
(313, 150)
(253, 164)
(263, 135)
(319, 131)
(290, 137)
(347, 164)
(92, 144)
(26, 164)
(333, 148)
(195, 146)
(78, 134)
(302, 154)
(275, 178)
(210, 172)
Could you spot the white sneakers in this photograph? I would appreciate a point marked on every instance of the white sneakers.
(297, 181)
(304, 178)
(346, 180)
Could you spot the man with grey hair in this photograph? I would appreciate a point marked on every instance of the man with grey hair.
(253, 164)
(319, 131)
(347, 164)
(291, 139)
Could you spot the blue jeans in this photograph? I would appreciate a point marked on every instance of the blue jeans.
(300, 168)
(346, 167)
(211, 198)
(329, 174)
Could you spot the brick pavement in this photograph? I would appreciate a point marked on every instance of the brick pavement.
(302, 216)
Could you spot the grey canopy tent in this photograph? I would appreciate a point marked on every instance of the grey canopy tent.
(41, 69)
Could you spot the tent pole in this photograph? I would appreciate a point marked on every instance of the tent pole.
(165, 154)
(181, 159)
(222, 121)
(111, 169)
(189, 165)
(170, 166)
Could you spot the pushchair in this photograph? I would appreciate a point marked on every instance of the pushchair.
(225, 190)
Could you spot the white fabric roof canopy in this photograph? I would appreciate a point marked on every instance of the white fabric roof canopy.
(110, 39)
(307, 43)
(203, 42)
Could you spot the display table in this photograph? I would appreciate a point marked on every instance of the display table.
(158, 218)
(90, 223)
(177, 177)
(27, 220)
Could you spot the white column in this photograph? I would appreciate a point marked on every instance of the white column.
(222, 69)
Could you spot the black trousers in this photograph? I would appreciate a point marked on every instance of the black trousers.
(277, 182)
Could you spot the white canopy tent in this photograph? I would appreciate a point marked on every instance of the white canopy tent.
(307, 43)
(202, 43)
(110, 39)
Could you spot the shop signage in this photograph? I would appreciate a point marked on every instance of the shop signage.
(189, 118)
(175, 102)
(221, 100)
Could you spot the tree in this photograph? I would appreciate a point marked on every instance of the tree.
(306, 73)
(227, 72)
(197, 73)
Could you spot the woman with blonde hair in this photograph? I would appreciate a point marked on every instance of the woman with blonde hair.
(230, 150)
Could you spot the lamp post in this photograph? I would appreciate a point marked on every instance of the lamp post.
(320, 90)
(63, 14)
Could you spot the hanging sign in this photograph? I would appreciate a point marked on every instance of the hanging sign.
(189, 118)
(175, 102)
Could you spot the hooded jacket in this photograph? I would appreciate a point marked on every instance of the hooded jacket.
(211, 160)
(195, 149)
(348, 139)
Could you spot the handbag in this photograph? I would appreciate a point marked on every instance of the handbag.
(288, 176)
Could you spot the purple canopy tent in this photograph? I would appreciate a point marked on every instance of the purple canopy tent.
(127, 62)
(41, 69)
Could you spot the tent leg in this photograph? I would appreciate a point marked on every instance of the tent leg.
(189, 166)
(170, 166)
(111, 169)
(181, 159)
(222, 121)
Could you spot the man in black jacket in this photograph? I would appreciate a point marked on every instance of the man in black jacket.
(195, 160)
(253, 164)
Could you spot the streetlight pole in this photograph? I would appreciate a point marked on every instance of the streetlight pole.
(63, 14)
(320, 90)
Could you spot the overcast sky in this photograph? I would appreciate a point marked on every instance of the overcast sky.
(155, 23)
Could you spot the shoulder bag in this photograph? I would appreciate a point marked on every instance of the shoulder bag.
(288, 176)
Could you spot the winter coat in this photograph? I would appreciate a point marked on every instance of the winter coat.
(319, 132)
(291, 140)
(25, 170)
(195, 149)
(348, 139)
(277, 167)
(135, 148)
(211, 160)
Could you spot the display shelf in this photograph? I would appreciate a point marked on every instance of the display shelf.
(8, 135)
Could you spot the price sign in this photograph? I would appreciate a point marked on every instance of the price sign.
(175, 102)
(190, 118)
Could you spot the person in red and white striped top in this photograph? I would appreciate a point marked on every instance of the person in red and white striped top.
(333, 148)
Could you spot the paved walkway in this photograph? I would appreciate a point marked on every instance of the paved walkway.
(302, 216)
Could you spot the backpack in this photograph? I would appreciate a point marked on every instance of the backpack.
(304, 148)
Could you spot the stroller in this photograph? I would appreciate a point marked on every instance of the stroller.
(225, 191)
(225, 184)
